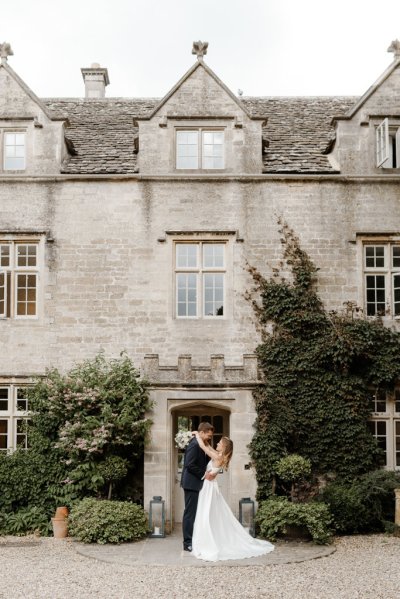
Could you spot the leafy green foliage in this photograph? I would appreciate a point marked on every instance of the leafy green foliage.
(319, 369)
(365, 505)
(275, 515)
(87, 432)
(293, 467)
(25, 521)
(103, 521)
(92, 414)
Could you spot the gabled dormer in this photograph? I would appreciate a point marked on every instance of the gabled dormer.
(368, 136)
(31, 137)
(200, 127)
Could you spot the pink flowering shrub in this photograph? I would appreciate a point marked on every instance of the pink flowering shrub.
(93, 413)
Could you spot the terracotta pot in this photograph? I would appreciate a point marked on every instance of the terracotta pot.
(61, 512)
(60, 528)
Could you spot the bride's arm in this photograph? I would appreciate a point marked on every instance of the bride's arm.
(214, 455)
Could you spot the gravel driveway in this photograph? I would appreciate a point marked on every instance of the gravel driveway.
(363, 567)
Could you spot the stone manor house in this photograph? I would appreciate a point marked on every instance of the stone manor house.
(127, 224)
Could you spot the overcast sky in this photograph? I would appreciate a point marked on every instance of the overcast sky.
(264, 47)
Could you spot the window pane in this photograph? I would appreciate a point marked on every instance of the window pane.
(374, 256)
(186, 285)
(26, 255)
(187, 149)
(396, 256)
(22, 401)
(212, 155)
(26, 284)
(397, 401)
(3, 434)
(376, 295)
(213, 294)
(396, 295)
(213, 255)
(397, 441)
(14, 151)
(186, 255)
(4, 255)
(218, 424)
(4, 399)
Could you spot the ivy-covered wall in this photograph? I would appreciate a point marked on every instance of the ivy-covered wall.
(320, 370)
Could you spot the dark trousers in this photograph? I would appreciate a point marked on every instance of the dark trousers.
(189, 515)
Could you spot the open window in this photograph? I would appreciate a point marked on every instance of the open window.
(387, 145)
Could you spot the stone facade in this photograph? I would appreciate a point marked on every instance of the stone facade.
(103, 201)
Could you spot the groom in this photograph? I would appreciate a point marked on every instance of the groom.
(193, 471)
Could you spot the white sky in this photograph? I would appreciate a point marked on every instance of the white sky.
(264, 47)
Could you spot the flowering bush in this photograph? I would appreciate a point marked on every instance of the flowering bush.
(94, 412)
(183, 438)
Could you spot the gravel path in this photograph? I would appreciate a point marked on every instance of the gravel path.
(363, 567)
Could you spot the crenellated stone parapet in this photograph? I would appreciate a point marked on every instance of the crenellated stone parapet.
(216, 374)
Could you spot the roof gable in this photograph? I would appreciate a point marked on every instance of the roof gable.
(191, 73)
(20, 85)
(374, 89)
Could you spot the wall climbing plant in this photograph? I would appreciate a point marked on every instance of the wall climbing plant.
(319, 369)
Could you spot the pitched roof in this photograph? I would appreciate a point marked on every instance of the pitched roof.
(298, 131)
(102, 132)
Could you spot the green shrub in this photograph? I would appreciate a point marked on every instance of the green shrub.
(102, 521)
(293, 467)
(32, 478)
(25, 521)
(274, 515)
(366, 505)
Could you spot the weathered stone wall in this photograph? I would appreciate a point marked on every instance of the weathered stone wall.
(107, 278)
(44, 138)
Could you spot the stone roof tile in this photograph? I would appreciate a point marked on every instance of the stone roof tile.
(102, 132)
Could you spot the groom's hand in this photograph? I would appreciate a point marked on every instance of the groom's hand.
(210, 475)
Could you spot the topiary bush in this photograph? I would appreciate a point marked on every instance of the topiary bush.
(275, 515)
(365, 505)
(292, 469)
(103, 521)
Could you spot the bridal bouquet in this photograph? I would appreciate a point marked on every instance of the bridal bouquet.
(182, 438)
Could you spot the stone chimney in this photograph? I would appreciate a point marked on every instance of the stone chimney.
(96, 79)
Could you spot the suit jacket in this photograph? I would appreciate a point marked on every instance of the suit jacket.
(194, 467)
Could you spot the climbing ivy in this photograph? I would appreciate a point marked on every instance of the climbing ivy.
(320, 369)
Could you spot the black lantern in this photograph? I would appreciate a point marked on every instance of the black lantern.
(157, 517)
(246, 515)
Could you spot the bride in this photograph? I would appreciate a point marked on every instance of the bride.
(217, 535)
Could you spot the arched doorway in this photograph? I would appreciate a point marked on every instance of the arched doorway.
(188, 418)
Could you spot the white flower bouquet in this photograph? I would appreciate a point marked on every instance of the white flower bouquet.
(182, 439)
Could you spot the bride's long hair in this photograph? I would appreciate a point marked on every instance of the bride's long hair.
(226, 452)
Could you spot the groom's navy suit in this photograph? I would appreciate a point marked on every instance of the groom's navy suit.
(194, 468)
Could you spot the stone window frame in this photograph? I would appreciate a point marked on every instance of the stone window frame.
(10, 273)
(384, 424)
(200, 270)
(389, 273)
(4, 131)
(230, 238)
(200, 130)
(14, 409)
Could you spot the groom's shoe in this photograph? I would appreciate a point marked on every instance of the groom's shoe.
(188, 548)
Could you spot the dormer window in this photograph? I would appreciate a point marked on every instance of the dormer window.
(388, 145)
(14, 151)
(200, 149)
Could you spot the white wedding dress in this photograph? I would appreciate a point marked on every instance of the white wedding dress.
(217, 535)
